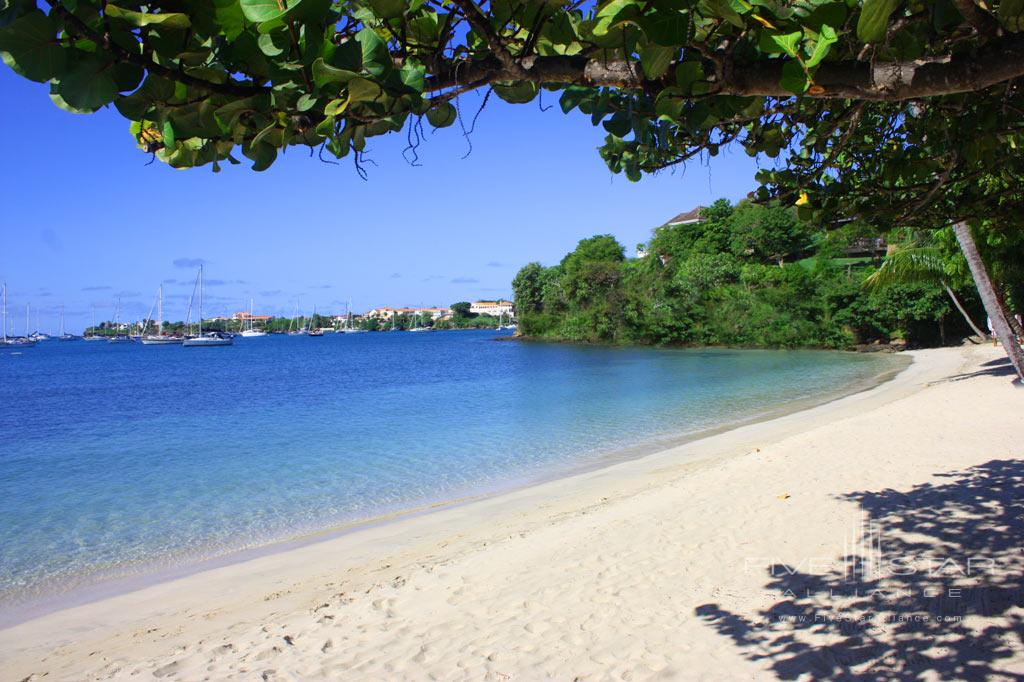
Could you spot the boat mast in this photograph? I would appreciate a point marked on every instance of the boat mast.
(5, 313)
(160, 311)
(200, 300)
(62, 319)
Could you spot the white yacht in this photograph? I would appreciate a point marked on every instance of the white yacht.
(159, 339)
(93, 336)
(251, 331)
(64, 336)
(202, 339)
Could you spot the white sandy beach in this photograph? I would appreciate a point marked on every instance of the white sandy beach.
(719, 559)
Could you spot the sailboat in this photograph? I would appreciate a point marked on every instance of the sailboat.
(252, 331)
(209, 338)
(93, 336)
(348, 328)
(118, 337)
(36, 335)
(160, 339)
(64, 336)
(13, 341)
(293, 326)
(313, 331)
(510, 327)
(419, 327)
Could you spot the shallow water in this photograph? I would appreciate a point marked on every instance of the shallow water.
(121, 459)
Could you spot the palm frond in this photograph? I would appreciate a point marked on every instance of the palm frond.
(907, 265)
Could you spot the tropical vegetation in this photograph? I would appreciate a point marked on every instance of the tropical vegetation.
(753, 275)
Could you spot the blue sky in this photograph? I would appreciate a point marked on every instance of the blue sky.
(85, 219)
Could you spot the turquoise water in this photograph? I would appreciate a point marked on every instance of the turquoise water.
(124, 459)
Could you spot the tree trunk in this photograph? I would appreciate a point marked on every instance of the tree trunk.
(988, 296)
(1014, 326)
(959, 306)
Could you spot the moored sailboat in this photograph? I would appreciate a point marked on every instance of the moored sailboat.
(160, 339)
(93, 336)
(251, 331)
(202, 339)
(118, 337)
(13, 341)
(293, 325)
(64, 336)
(314, 331)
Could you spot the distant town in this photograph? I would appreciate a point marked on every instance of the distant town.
(483, 314)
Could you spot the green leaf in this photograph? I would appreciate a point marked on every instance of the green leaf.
(687, 74)
(724, 10)
(619, 124)
(229, 115)
(608, 15)
(60, 102)
(788, 42)
(572, 96)
(874, 19)
(324, 73)
(413, 72)
(668, 28)
(326, 127)
(269, 46)
(228, 15)
(140, 19)
(655, 59)
(794, 78)
(262, 155)
(197, 119)
(271, 135)
(259, 11)
(388, 9)
(669, 104)
(376, 56)
(169, 137)
(826, 38)
(516, 93)
(29, 46)
(442, 116)
(306, 102)
(1011, 14)
(831, 14)
(154, 91)
(336, 106)
(92, 83)
(363, 90)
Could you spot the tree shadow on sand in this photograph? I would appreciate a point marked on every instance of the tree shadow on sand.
(900, 603)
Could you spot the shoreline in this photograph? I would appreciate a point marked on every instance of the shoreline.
(17, 613)
(369, 571)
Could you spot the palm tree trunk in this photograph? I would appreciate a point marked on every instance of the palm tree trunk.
(970, 322)
(993, 307)
(1017, 331)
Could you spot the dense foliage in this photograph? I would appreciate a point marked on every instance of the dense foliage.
(746, 275)
(872, 104)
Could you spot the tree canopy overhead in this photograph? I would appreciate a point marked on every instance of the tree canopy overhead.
(821, 82)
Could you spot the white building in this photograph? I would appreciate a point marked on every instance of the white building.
(495, 308)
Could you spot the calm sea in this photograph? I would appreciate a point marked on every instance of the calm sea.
(127, 459)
